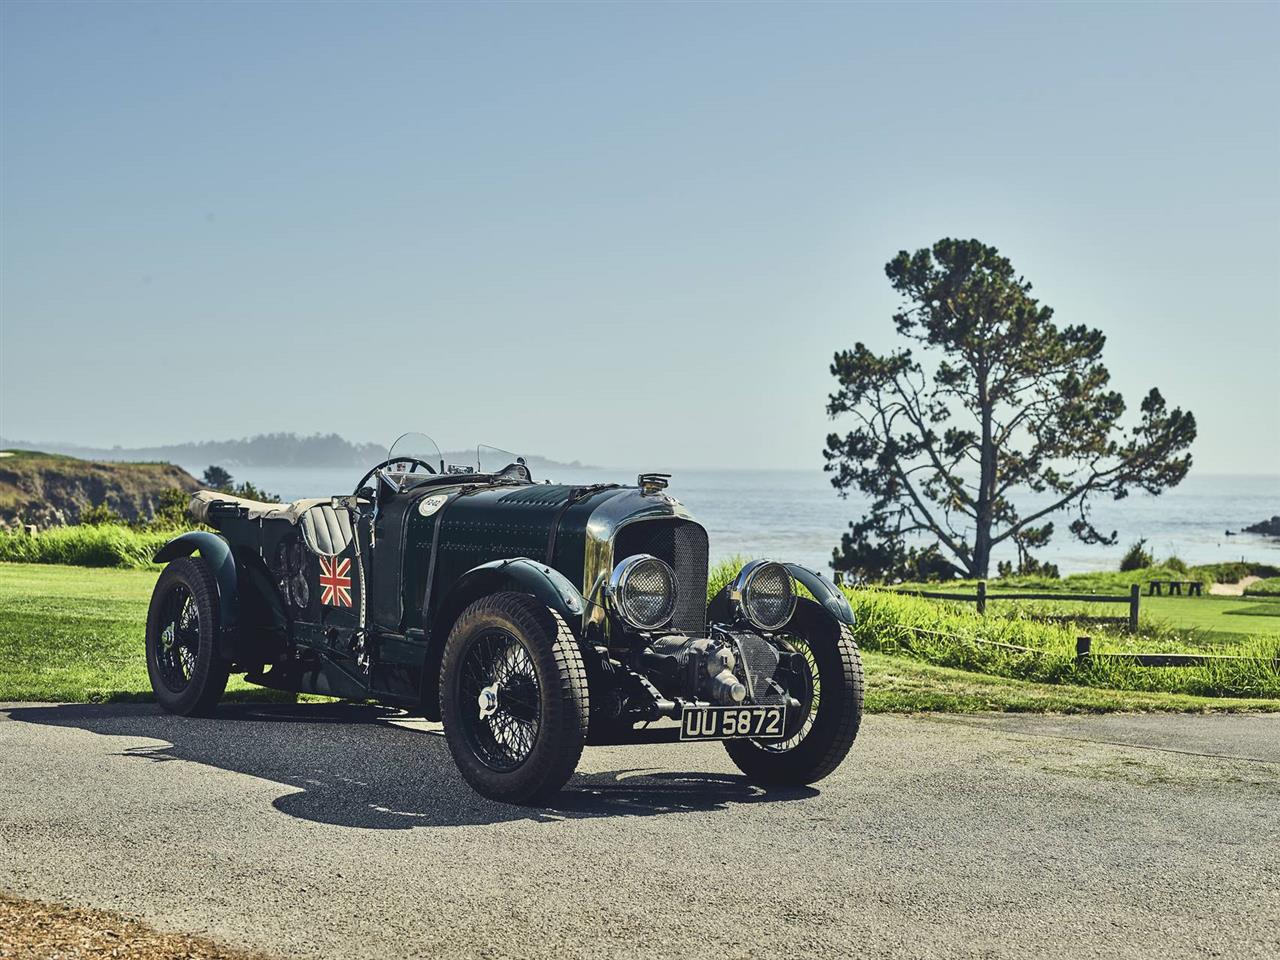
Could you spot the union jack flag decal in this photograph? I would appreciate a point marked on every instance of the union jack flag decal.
(335, 581)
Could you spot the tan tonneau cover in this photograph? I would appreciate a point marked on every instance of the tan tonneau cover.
(201, 499)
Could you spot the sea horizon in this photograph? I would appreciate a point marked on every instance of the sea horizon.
(795, 514)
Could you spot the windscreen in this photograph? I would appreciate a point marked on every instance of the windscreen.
(413, 456)
(495, 459)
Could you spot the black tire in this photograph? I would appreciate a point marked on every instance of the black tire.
(187, 674)
(528, 748)
(823, 734)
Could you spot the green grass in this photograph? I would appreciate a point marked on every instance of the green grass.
(1204, 623)
(1267, 608)
(1212, 621)
(1269, 587)
(943, 633)
(1112, 581)
(75, 634)
(1094, 581)
(86, 545)
(12, 453)
(902, 685)
(1236, 570)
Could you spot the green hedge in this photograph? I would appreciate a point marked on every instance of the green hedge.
(1264, 588)
(1236, 571)
(87, 545)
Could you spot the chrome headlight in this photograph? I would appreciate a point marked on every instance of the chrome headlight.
(763, 595)
(642, 591)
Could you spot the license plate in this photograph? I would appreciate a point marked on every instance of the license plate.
(727, 723)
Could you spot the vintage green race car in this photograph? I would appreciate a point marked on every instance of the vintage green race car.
(531, 618)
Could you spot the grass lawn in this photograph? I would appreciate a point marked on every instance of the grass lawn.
(75, 634)
(1208, 623)
(1203, 622)
(904, 685)
(1214, 621)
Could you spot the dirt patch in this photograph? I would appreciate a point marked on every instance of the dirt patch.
(30, 929)
(1232, 589)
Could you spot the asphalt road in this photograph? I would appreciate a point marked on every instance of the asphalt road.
(337, 831)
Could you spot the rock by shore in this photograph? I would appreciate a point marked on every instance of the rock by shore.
(1268, 528)
(48, 490)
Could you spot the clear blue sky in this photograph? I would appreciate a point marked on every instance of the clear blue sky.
(631, 234)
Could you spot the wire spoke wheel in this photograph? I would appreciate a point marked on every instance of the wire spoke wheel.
(179, 645)
(826, 679)
(513, 697)
(188, 674)
(502, 736)
(806, 689)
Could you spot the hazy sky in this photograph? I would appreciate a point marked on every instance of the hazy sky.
(632, 235)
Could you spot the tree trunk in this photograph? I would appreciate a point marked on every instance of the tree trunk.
(986, 488)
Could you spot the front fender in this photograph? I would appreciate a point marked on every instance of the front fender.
(828, 595)
(545, 583)
(217, 553)
(824, 591)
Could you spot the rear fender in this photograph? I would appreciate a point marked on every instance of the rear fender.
(520, 575)
(215, 551)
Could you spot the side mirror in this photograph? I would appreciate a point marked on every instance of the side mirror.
(345, 503)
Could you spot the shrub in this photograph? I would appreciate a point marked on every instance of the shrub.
(1137, 558)
(1028, 567)
(98, 514)
(1264, 588)
(1175, 564)
(250, 492)
(171, 511)
(217, 478)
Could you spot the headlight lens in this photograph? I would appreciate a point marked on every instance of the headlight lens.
(642, 591)
(765, 595)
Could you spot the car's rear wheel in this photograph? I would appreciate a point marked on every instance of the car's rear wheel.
(819, 736)
(513, 698)
(187, 675)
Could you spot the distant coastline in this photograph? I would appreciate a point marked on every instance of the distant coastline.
(264, 450)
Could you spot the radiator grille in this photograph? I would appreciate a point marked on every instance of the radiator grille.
(760, 661)
(682, 544)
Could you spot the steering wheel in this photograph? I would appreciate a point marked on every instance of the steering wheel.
(386, 463)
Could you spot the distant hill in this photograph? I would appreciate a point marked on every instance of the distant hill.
(50, 489)
(265, 450)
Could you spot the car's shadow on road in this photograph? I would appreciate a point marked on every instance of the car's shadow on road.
(374, 768)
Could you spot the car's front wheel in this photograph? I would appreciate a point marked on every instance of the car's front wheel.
(187, 674)
(513, 698)
(820, 734)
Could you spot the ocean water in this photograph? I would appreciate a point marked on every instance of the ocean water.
(796, 515)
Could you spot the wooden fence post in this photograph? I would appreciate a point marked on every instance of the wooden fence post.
(1134, 594)
(1083, 645)
(982, 597)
